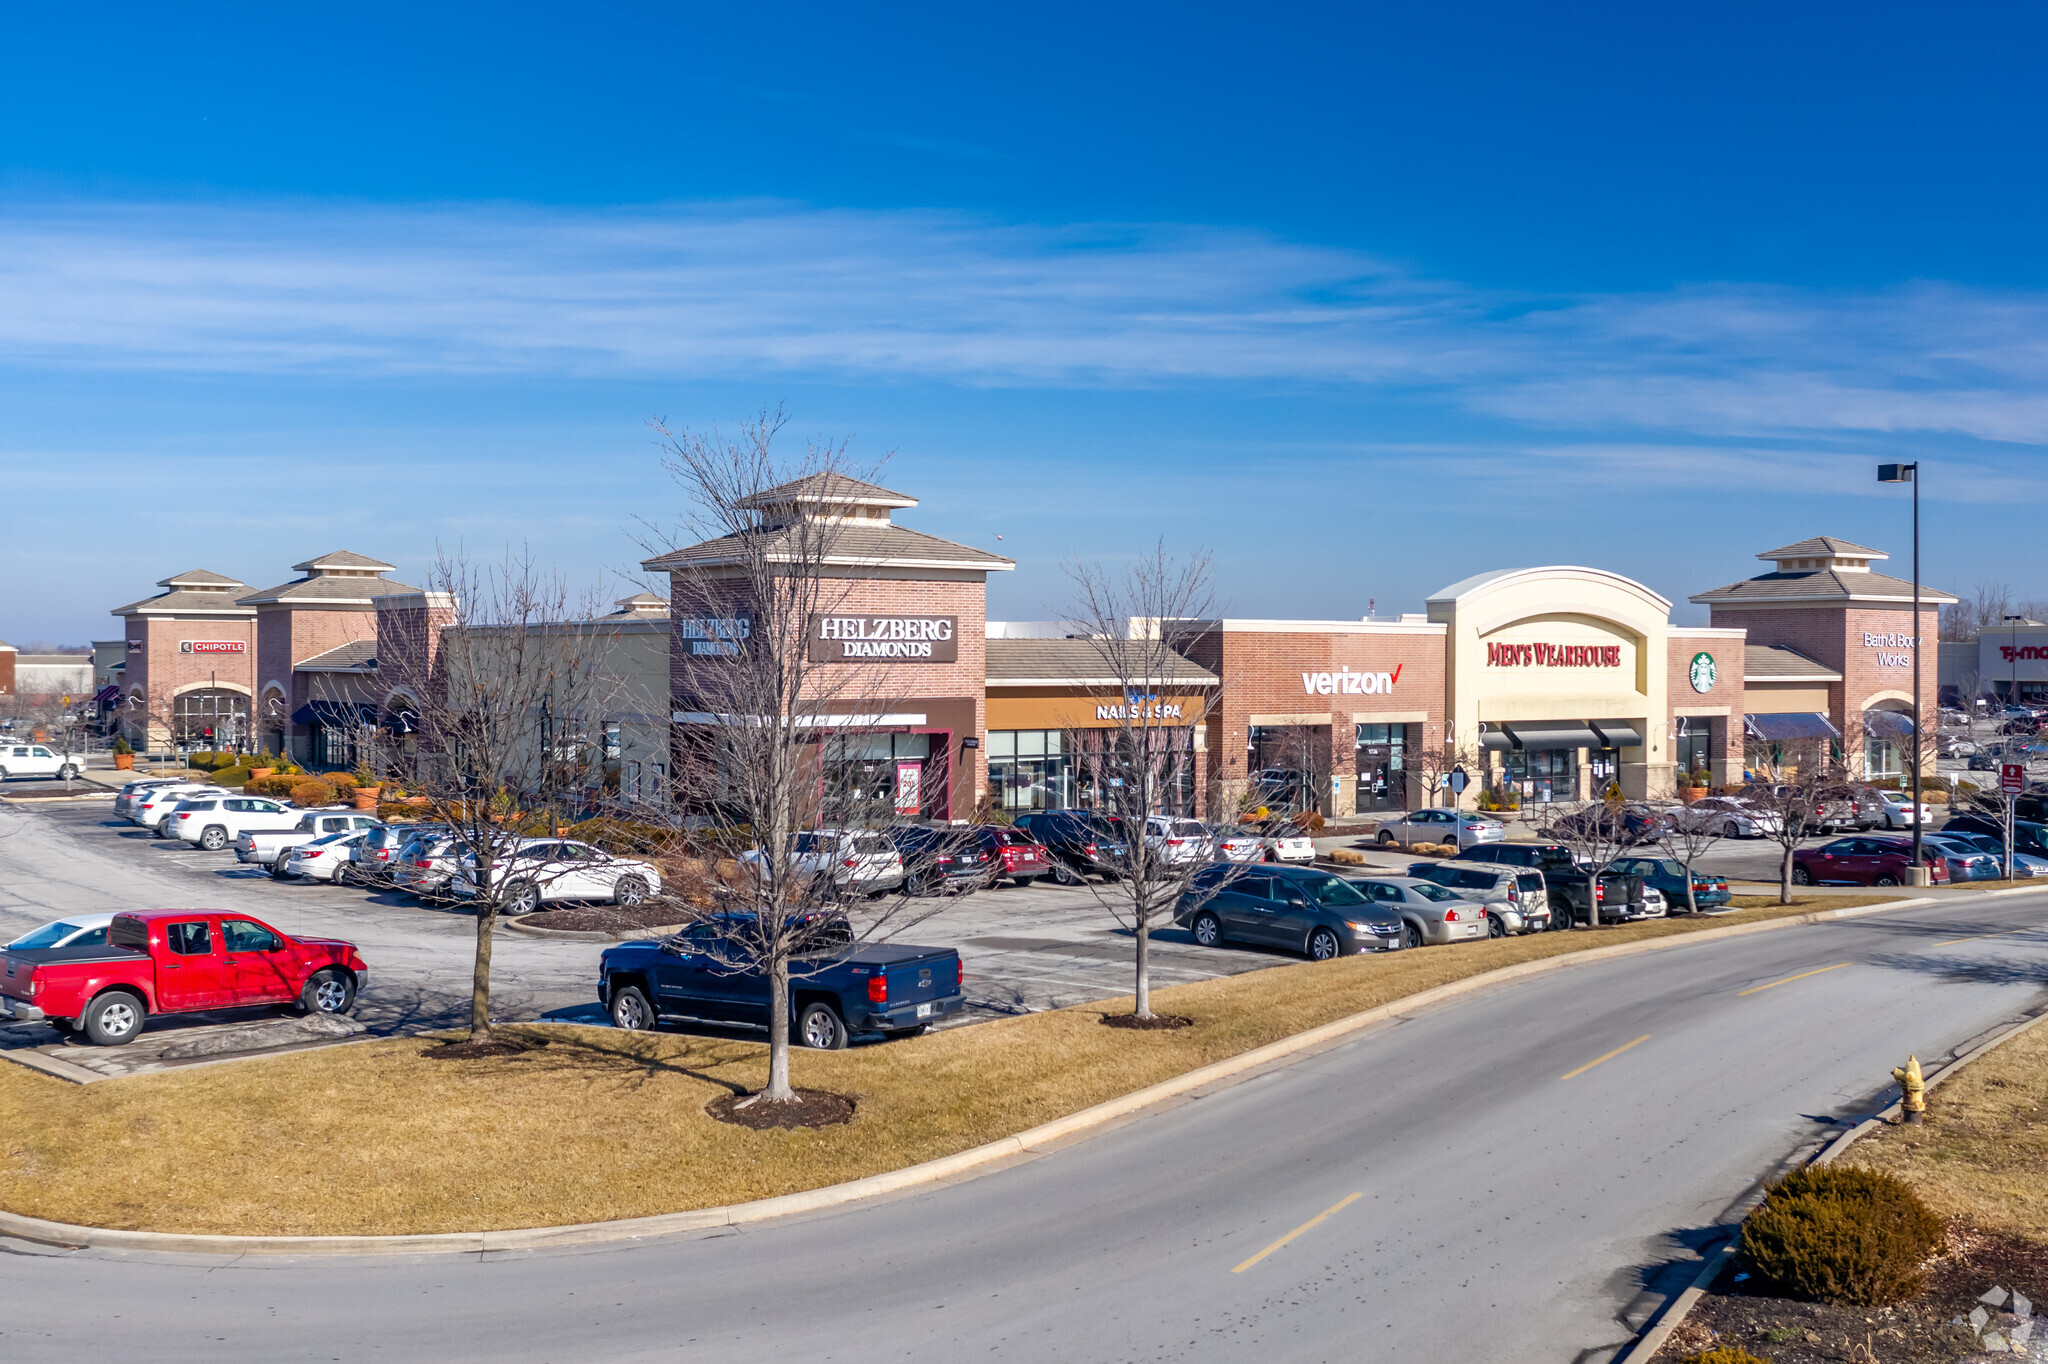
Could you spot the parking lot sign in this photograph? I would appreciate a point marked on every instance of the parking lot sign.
(2012, 778)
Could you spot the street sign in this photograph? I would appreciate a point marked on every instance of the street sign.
(2012, 778)
(1459, 781)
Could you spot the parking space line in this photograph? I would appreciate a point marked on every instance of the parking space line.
(1772, 985)
(1309, 1225)
(1608, 1057)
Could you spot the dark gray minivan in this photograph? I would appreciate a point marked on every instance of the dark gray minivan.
(1298, 908)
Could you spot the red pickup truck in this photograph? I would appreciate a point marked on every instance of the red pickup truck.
(175, 961)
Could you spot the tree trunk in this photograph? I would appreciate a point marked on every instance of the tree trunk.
(480, 982)
(1692, 904)
(1785, 878)
(778, 1089)
(1143, 1007)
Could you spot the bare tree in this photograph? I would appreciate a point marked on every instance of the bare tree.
(1688, 835)
(1788, 802)
(1597, 832)
(1430, 766)
(508, 682)
(1140, 769)
(778, 736)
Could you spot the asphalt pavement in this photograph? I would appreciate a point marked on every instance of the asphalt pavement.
(1505, 1177)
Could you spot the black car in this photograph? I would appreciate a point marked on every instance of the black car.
(938, 861)
(1082, 843)
(2027, 836)
(1572, 892)
(1298, 908)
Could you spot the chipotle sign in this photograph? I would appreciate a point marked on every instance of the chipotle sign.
(910, 639)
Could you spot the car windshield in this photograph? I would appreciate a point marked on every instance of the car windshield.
(1335, 890)
(1430, 891)
(49, 935)
(1554, 859)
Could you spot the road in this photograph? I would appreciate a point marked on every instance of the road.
(1524, 1161)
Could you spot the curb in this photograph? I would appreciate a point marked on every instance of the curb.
(590, 934)
(1679, 1308)
(73, 1236)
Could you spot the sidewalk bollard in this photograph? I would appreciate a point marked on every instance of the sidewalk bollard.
(1916, 1089)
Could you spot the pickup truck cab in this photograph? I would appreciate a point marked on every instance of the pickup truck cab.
(213, 821)
(835, 993)
(175, 961)
(37, 760)
(267, 848)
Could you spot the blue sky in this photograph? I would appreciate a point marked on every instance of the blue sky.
(1362, 299)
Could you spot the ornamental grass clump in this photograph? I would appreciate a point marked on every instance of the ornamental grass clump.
(1841, 1235)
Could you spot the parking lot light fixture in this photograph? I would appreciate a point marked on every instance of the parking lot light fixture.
(1908, 473)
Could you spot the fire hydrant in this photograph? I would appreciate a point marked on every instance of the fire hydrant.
(1916, 1089)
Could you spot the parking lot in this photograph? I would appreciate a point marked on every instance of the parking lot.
(1025, 949)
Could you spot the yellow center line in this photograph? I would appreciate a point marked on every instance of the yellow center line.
(1315, 1221)
(1789, 979)
(1980, 936)
(1608, 1057)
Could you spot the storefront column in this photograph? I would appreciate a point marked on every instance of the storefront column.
(1582, 776)
(1336, 781)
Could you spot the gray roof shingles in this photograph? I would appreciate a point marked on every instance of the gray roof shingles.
(1825, 584)
(1070, 660)
(852, 543)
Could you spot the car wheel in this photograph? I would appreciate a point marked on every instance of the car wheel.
(1411, 934)
(1731, 830)
(214, 839)
(1801, 876)
(277, 871)
(1496, 927)
(328, 992)
(819, 1027)
(1022, 881)
(921, 884)
(1065, 875)
(1885, 878)
(67, 772)
(1386, 839)
(629, 891)
(631, 1011)
(1323, 945)
(113, 1018)
(522, 897)
(347, 875)
(1208, 930)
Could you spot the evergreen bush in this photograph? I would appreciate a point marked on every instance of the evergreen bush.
(1841, 1235)
(277, 786)
(312, 791)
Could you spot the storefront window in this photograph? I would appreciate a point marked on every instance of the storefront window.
(225, 713)
(1543, 774)
(860, 776)
(1692, 743)
(1382, 782)
(1028, 769)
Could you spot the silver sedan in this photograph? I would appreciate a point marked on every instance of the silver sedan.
(1431, 915)
(1437, 825)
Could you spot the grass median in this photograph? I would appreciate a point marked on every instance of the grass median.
(372, 1138)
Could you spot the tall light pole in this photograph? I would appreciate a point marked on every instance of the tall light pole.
(1905, 473)
(2012, 695)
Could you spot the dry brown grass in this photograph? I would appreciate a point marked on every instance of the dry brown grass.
(1982, 1154)
(373, 1138)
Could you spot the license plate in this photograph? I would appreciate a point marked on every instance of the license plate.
(924, 1011)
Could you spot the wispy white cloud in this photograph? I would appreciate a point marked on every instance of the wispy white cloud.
(740, 290)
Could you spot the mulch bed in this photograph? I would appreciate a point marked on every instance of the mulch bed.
(476, 1051)
(602, 918)
(1921, 1331)
(1155, 1023)
(811, 1108)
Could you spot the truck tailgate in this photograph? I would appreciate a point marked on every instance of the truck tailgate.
(920, 980)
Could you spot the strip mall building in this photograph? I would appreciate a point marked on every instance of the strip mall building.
(1555, 679)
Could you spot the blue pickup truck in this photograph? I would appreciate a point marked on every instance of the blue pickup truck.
(835, 993)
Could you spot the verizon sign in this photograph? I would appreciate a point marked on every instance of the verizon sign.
(1345, 682)
(910, 639)
(213, 646)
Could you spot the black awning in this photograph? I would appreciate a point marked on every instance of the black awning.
(335, 714)
(1887, 724)
(1618, 733)
(1555, 734)
(106, 696)
(1791, 724)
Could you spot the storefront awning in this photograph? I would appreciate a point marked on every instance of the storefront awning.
(106, 696)
(1494, 739)
(1887, 724)
(1618, 734)
(1796, 724)
(1555, 734)
(335, 714)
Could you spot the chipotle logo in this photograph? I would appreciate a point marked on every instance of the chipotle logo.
(212, 646)
(1553, 655)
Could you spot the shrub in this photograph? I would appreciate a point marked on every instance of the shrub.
(276, 785)
(230, 776)
(397, 811)
(1842, 1235)
(312, 791)
(123, 747)
(344, 785)
(1723, 1354)
(1309, 822)
(1350, 857)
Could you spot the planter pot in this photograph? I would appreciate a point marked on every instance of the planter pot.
(261, 771)
(365, 797)
(124, 762)
(1689, 794)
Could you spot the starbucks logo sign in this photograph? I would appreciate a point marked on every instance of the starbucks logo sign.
(1702, 672)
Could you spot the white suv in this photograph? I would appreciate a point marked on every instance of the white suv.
(538, 871)
(156, 806)
(36, 760)
(857, 861)
(213, 822)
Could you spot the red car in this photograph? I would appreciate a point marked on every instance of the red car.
(1864, 862)
(175, 961)
(1024, 860)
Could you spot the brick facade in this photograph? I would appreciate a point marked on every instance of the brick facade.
(1722, 707)
(1835, 637)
